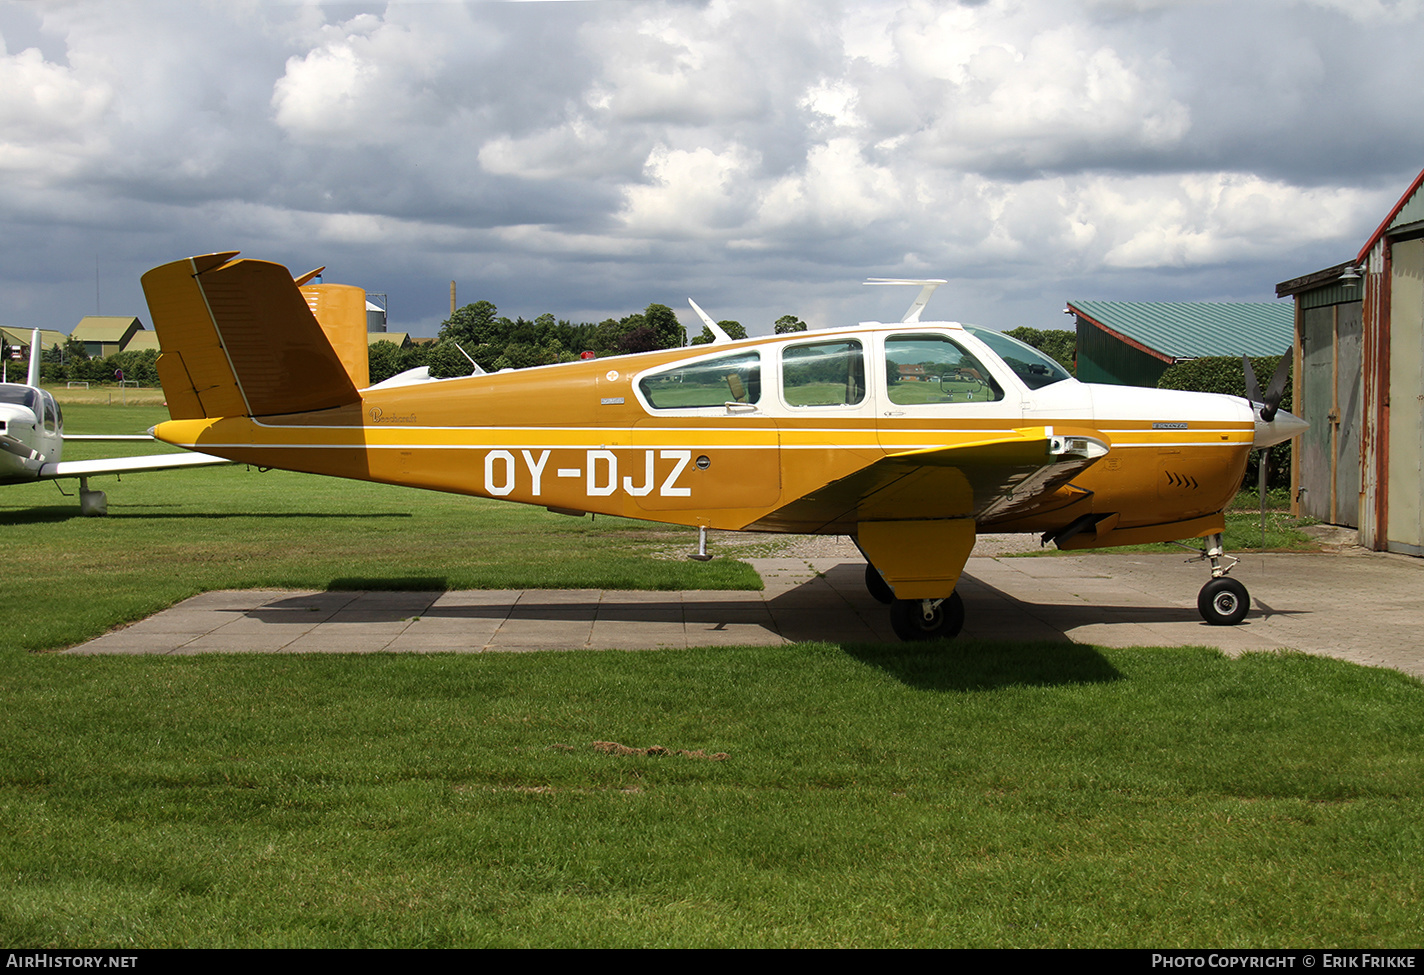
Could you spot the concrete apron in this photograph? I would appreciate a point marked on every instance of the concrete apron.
(1363, 607)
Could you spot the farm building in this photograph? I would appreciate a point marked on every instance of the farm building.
(147, 339)
(1360, 369)
(1131, 343)
(399, 339)
(13, 336)
(103, 335)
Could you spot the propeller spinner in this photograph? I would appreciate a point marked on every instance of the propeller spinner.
(1272, 426)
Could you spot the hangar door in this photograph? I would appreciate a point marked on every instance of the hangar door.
(1328, 395)
(1405, 529)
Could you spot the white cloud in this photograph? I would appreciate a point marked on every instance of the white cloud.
(48, 118)
(1204, 219)
(365, 79)
(838, 190)
(993, 88)
(1016, 143)
(691, 193)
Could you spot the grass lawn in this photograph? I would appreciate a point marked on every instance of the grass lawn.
(811, 795)
(967, 794)
(173, 534)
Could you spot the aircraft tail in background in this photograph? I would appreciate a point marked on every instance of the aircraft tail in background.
(241, 338)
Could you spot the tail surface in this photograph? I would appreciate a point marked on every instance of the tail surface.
(239, 338)
(36, 349)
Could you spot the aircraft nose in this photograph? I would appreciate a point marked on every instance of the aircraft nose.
(1282, 427)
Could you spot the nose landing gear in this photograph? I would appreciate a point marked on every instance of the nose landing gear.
(1222, 601)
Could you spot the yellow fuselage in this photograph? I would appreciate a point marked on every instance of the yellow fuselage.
(581, 437)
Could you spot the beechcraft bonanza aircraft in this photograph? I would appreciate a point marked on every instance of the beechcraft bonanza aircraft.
(909, 437)
(32, 439)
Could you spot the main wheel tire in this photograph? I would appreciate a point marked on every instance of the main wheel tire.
(1223, 602)
(907, 618)
(877, 586)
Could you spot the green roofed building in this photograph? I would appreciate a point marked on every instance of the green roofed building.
(12, 335)
(1131, 343)
(142, 341)
(103, 335)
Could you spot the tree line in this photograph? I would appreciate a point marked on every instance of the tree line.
(498, 342)
(71, 363)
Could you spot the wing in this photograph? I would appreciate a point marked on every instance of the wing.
(128, 465)
(995, 479)
(915, 513)
(105, 437)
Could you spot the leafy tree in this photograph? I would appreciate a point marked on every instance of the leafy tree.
(643, 338)
(668, 330)
(74, 351)
(385, 360)
(445, 361)
(733, 329)
(140, 367)
(607, 333)
(475, 324)
(789, 323)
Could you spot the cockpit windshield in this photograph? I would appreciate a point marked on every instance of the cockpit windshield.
(19, 396)
(1032, 366)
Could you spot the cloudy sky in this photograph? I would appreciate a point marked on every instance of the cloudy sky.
(763, 157)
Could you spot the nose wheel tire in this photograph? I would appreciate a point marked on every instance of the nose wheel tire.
(1223, 602)
(876, 585)
(910, 621)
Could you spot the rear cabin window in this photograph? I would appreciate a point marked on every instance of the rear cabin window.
(824, 374)
(711, 382)
(923, 370)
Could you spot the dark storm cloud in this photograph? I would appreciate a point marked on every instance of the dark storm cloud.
(587, 158)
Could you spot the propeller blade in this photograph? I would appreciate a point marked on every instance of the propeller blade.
(1261, 475)
(19, 449)
(1253, 388)
(1277, 389)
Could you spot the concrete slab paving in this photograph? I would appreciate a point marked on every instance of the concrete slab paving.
(1360, 606)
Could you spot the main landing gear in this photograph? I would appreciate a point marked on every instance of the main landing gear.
(917, 619)
(927, 619)
(1222, 601)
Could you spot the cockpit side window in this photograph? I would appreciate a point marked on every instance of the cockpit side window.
(710, 382)
(52, 419)
(1032, 366)
(823, 374)
(925, 370)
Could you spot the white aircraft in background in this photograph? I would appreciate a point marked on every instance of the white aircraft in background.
(32, 440)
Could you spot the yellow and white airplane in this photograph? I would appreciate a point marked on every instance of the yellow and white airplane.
(32, 440)
(909, 437)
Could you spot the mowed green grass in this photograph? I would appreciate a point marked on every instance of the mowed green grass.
(968, 794)
(830, 795)
(170, 535)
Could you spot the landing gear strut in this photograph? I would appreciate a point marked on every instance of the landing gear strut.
(927, 619)
(1222, 601)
